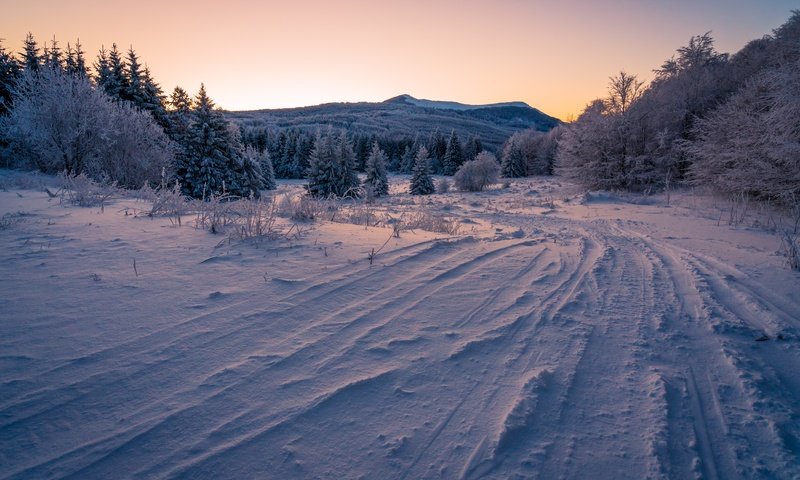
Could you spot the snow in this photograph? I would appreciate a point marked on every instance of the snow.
(561, 335)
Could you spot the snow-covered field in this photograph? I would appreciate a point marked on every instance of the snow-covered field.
(558, 336)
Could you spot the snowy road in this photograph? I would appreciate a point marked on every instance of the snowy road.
(588, 349)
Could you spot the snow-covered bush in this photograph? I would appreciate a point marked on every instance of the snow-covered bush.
(443, 186)
(477, 174)
(82, 191)
(61, 122)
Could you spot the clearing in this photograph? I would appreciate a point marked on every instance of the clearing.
(559, 335)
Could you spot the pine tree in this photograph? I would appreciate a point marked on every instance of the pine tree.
(513, 165)
(79, 68)
(180, 119)
(253, 174)
(421, 182)
(376, 180)
(9, 72)
(407, 160)
(472, 148)
(69, 60)
(268, 173)
(102, 68)
(30, 60)
(114, 82)
(438, 147)
(324, 173)
(453, 157)
(349, 183)
(212, 162)
(53, 57)
(153, 99)
(133, 88)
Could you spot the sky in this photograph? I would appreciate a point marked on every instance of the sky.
(554, 55)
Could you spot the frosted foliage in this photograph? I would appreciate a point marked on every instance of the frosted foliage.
(751, 144)
(61, 123)
(478, 174)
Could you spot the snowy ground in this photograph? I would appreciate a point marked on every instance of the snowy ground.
(560, 336)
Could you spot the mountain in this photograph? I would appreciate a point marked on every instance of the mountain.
(421, 102)
(405, 115)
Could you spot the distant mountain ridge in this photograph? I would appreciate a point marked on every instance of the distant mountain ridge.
(421, 102)
(405, 115)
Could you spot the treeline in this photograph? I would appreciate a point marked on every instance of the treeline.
(290, 149)
(708, 118)
(112, 122)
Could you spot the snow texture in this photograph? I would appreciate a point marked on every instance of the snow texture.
(557, 338)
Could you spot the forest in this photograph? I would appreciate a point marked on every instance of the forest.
(708, 118)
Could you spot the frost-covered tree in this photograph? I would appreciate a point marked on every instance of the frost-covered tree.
(214, 163)
(61, 123)
(324, 172)
(349, 183)
(111, 75)
(453, 156)
(268, 173)
(252, 174)
(421, 181)
(29, 57)
(53, 57)
(750, 145)
(133, 88)
(513, 164)
(9, 73)
(477, 174)
(74, 61)
(102, 67)
(472, 148)
(376, 181)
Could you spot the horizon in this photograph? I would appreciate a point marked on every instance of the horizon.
(254, 56)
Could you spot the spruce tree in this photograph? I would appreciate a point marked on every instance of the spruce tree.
(133, 88)
(376, 180)
(324, 173)
(114, 82)
(407, 160)
(268, 173)
(79, 68)
(180, 120)
(30, 60)
(53, 57)
(102, 68)
(9, 72)
(153, 99)
(513, 165)
(253, 174)
(349, 183)
(421, 182)
(453, 157)
(211, 165)
(472, 148)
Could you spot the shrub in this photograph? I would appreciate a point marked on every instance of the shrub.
(477, 174)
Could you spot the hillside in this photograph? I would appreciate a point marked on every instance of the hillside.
(405, 115)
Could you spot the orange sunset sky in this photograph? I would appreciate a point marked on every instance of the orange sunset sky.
(556, 55)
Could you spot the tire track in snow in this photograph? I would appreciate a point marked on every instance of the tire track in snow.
(732, 437)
